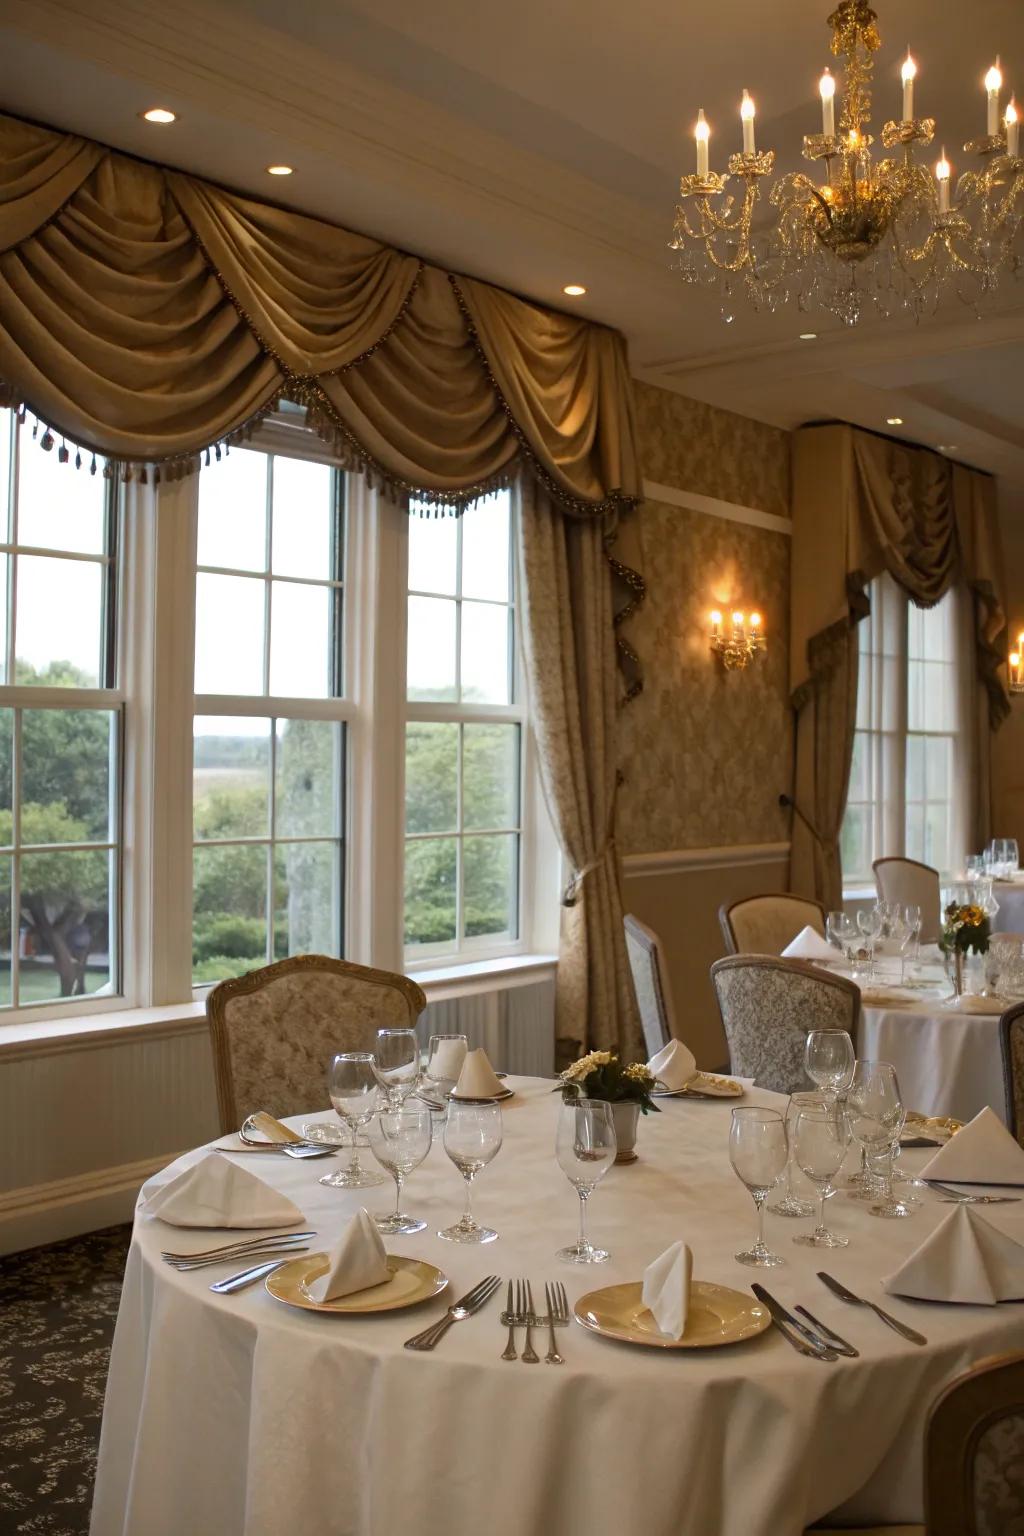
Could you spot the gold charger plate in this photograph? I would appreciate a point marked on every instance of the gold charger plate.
(716, 1315)
(706, 1085)
(939, 1127)
(412, 1281)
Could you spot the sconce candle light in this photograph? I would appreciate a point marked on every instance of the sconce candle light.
(1017, 665)
(738, 643)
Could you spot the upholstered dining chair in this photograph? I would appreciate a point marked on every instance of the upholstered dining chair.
(650, 979)
(912, 884)
(1011, 1044)
(273, 1032)
(769, 1006)
(764, 925)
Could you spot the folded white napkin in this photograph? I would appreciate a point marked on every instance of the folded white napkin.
(478, 1079)
(809, 945)
(448, 1059)
(673, 1066)
(219, 1193)
(984, 1152)
(666, 1291)
(357, 1261)
(965, 1259)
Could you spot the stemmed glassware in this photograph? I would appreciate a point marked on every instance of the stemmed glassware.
(472, 1137)
(400, 1140)
(445, 1055)
(869, 925)
(821, 1136)
(791, 1204)
(841, 930)
(758, 1152)
(585, 1146)
(913, 918)
(876, 1113)
(829, 1057)
(398, 1064)
(1012, 855)
(355, 1094)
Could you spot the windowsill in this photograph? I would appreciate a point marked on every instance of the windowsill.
(858, 892)
(46, 1036)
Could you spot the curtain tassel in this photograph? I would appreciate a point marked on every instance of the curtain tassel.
(108, 470)
(46, 441)
(92, 466)
(143, 476)
(63, 456)
(207, 458)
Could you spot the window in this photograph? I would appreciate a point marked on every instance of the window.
(60, 727)
(911, 762)
(268, 787)
(463, 735)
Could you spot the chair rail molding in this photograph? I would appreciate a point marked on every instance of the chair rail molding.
(677, 861)
(712, 506)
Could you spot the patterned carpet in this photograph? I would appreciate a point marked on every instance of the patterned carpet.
(57, 1312)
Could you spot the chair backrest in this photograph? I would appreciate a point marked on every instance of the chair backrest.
(1011, 1044)
(769, 1006)
(974, 1452)
(912, 884)
(650, 979)
(764, 925)
(274, 1031)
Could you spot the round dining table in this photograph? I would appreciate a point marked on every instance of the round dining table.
(239, 1414)
(947, 1055)
(1009, 895)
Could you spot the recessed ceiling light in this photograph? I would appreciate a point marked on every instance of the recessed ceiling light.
(894, 421)
(159, 115)
(279, 170)
(808, 335)
(574, 290)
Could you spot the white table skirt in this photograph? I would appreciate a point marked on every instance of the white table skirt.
(1010, 917)
(947, 1062)
(231, 1415)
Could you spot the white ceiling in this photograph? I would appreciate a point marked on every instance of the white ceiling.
(539, 143)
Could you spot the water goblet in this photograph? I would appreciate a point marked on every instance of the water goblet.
(1012, 855)
(791, 1204)
(828, 1060)
(876, 1114)
(445, 1055)
(400, 1140)
(869, 925)
(355, 1094)
(821, 1135)
(398, 1064)
(841, 930)
(913, 917)
(472, 1137)
(585, 1146)
(758, 1152)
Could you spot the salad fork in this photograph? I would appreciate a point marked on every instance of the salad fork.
(969, 1199)
(530, 1355)
(558, 1312)
(513, 1314)
(463, 1308)
(239, 1246)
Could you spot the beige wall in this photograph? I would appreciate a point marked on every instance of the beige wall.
(705, 754)
(1008, 744)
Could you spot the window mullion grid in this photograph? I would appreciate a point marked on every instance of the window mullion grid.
(12, 559)
(272, 815)
(268, 535)
(16, 859)
(460, 914)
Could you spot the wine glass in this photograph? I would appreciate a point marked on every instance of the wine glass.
(828, 1060)
(876, 1115)
(841, 931)
(791, 1204)
(398, 1064)
(869, 925)
(913, 918)
(400, 1140)
(900, 931)
(472, 1137)
(1012, 855)
(355, 1093)
(445, 1055)
(821, 1135)
(758, 1151)
(974, 866)
(585, 1147)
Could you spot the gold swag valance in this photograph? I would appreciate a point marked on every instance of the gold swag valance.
(146, 316)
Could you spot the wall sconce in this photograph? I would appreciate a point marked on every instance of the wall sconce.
(738, 644)
(1016, 667)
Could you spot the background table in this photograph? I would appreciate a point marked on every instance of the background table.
(1010, 896)
(237, 1414)
(947, 1059)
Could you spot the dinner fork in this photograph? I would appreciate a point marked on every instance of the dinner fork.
(529, 1355)
(463, 1308)
(840, 1290)
(558, 1312)
(513, 1314)
(968, 1199)
(240, 1245)
(184, 1265)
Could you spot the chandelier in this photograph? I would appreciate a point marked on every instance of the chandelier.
(879, 236)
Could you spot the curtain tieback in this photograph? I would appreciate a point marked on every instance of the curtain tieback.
(570, 896)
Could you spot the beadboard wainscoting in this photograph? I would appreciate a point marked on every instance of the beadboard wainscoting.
(85, 1119)
(678, 894)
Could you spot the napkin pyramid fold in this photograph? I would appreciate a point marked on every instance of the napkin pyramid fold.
(218, 1193)
(984, 1152)
(674, 1066)
(809, 945)
(965, 1259)
(355, 1263)
(666, 1289)
(478, 1079)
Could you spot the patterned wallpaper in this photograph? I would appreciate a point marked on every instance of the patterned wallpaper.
(705, 754)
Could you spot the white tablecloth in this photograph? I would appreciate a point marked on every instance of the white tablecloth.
(947, 1059)
(237, 1414)
(1010, 896)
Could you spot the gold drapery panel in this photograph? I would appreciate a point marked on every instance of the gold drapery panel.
(862, 505)
(146, 315)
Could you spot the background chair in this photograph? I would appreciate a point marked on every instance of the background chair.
(913, 884)
(274, 1031)
(769, 1005)
(650, 979)
(1011, 1044)
(974, 1453)
(764, 925)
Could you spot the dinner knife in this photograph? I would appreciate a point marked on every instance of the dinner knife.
(784, 1319)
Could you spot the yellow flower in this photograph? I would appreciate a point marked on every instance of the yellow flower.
(586, 1064)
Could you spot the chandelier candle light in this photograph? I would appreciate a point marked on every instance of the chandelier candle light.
(882, 234)
(738, 645)
(1017, 665)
